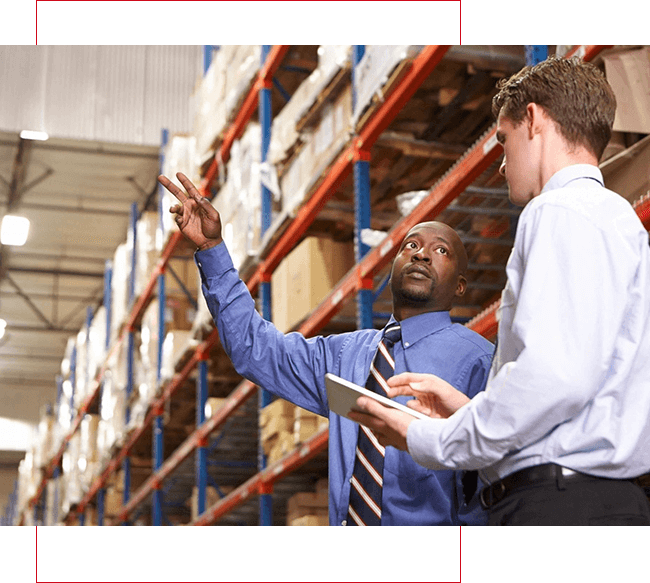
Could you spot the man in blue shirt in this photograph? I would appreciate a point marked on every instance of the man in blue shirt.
(427, 275)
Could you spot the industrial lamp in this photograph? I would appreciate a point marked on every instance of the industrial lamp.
(14, 230)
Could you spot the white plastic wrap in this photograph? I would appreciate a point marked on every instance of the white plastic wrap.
(180, 156)
(119, 289)
(374, 69)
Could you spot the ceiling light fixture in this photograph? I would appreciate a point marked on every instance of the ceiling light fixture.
(34, 135)
(3, 326)
(14, 230)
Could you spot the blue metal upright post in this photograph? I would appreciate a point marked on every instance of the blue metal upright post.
(207, 58)
(158, 436)
(536, 54)
(108, 278)
(361, 207)
(266, 500)
(130, 347)
(201, 451)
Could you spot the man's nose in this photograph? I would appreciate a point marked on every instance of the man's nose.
(422, 255)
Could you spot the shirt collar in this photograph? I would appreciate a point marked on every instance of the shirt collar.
(562, 177)
(417, 327)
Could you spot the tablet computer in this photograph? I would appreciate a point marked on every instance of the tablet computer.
(342, 397)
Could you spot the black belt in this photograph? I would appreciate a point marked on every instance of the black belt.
(532, 476)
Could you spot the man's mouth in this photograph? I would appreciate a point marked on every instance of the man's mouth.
(418, 272)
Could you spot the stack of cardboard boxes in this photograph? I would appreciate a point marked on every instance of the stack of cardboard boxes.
(309, 508)
(305, 277)
(284, 426)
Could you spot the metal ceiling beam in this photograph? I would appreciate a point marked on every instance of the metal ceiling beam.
(26, 356)
(72, 209)
(33, 329)
(18, 173)
(29, 302)
(68, 272)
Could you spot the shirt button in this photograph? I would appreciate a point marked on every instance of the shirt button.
(406, 344)
(344, 523)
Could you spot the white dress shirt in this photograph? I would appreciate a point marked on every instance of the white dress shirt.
(570, 382)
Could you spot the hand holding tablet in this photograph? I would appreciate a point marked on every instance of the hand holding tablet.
(342, 396)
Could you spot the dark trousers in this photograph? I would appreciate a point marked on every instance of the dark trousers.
(581, 501)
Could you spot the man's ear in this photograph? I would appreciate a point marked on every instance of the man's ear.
(536, 118)
(461, 287)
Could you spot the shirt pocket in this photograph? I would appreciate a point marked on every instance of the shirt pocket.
(402, 464)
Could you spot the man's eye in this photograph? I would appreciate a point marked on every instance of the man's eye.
(442, 250)
(412, 245)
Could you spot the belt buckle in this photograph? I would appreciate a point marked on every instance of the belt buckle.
(494, 496)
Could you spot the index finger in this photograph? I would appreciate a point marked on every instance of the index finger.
(400, 384)
(189, 186)
(169, 185)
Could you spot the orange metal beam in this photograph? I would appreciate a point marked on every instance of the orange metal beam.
(236, 129)
(642, 208)
(421, 68)
(261, 482)
(238, 397)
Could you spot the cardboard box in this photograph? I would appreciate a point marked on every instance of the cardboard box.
(305, 277)
(310, 520)
(276, 429)
(307, 424)
(282, 444)
(279, 407)
(211, 498)
(628, 174)
(112, 501)
(628, 73)
(307, 503)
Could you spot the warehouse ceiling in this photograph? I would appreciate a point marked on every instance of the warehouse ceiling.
(77, 196)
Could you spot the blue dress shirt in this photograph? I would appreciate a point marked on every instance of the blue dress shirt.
(293, 367)
(571, 378)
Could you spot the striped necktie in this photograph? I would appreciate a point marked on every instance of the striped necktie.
(367, 475)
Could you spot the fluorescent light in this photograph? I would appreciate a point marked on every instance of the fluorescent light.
(33, 135)
(14, 230)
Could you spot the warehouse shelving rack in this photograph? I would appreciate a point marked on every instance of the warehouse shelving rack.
(359, 280)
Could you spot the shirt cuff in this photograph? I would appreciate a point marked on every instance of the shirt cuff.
(214, 261)
(422, 440)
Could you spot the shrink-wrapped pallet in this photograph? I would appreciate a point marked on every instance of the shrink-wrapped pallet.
(218, 97)
(53, 498)
(146, 249)
(71, 475)
(88, 454)
(177, 344)
(285, 136)
(323, 144)
(179, 156)
(29, 478)
(119, 289)
(81, 369)
(239, 200)
(45, 439)
(374, 70)
(112, 408)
